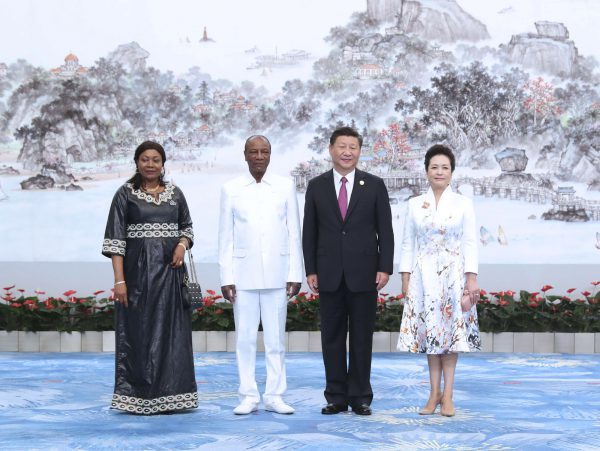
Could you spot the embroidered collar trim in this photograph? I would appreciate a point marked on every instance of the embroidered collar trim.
(165, 196)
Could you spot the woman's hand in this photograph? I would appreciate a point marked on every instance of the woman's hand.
(405, 282)
(472, 287)
(120, 293)
(120, 289)
(178, 255)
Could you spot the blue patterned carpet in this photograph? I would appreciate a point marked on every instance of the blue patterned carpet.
(504, 402)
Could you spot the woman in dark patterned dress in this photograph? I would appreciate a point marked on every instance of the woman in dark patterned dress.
(148, 230)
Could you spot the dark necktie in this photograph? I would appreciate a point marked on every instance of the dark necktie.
(343, 198)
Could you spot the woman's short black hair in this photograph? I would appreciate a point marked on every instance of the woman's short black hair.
(439, 149)
(136, 180)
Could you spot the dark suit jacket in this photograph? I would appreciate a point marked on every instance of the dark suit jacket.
(358, 247)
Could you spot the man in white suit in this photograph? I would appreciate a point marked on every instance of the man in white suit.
(260, 263)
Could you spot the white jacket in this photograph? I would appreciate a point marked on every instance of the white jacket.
(259, 233)
(453, 210)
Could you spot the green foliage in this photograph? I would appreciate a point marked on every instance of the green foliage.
(504, 311)
(303, 313)
(389, 313)
(531, 312)
(213, 315)
(57, 314)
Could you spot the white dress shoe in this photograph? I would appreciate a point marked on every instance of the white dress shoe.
(278, 406)
(245, 407)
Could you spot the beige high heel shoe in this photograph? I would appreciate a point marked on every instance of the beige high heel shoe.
(425, 411)
(449, 413)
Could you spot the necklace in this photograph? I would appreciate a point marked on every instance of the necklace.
(151, 190)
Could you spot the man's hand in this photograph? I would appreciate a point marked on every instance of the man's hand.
(381, 280)
(292, 289)
(228, 292)
(313, 283)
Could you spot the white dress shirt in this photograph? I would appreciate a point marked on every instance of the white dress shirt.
(337, 181)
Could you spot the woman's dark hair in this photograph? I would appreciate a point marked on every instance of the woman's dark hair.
(439, 149)
(136, 180)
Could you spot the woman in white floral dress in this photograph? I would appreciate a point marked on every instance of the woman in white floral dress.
(438, 266)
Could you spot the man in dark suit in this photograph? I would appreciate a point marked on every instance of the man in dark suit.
(348, 244)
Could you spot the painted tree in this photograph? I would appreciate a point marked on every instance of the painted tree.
(359, 26)
(320, 141)
(467, 106)
(575, 99)
(287, 105)
(540, 100)
(394, 143)
(204, 94)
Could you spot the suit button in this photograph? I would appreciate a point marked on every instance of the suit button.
(343, 232)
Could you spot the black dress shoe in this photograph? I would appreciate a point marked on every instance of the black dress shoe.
(362, 409)
(332, 409)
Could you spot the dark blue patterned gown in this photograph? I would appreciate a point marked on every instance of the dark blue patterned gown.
(153, 349)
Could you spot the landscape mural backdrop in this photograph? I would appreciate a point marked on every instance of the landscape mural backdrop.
(512, 86)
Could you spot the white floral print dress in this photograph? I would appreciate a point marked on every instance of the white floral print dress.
(438, 247)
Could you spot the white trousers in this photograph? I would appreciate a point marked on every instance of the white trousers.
(250, 306)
